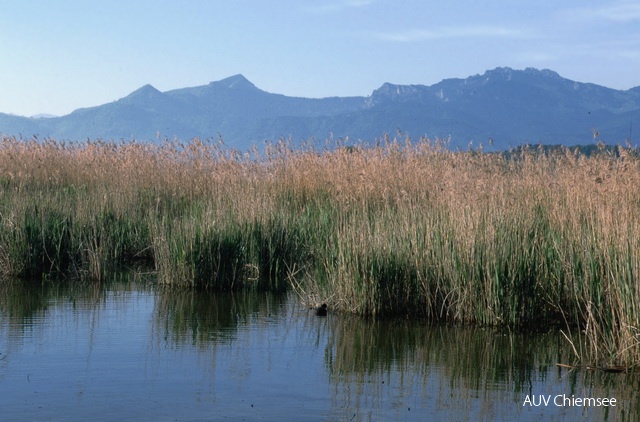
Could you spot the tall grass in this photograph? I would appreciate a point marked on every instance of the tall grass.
(538, 237)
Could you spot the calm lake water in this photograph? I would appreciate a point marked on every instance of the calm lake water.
(131, 351)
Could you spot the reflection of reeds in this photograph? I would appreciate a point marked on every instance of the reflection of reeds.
(204, 318)
(538, 237)
(458, 368)
(475, 358)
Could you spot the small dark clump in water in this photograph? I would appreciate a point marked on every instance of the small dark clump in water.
(321, 310)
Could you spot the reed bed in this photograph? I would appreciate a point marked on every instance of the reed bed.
(400, 228)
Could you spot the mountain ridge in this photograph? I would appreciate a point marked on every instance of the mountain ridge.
(507, 106)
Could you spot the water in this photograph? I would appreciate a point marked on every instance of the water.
(131, 351)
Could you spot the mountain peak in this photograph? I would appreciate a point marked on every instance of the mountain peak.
(508, 73)
(504, 70)
(235, 82)
(389, 91)
(144, 93)
(146, 89)
(43, 116)
(543, 72)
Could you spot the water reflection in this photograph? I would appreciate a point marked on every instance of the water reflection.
(471, 373)
(71, 351)
(202, 317)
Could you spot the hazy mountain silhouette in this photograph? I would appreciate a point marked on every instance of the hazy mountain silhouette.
(503, 106)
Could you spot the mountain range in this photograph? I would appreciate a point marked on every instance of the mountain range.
(499, 109)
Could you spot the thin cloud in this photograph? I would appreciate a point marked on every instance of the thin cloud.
(607, 50)
(628, 49)
(340, 6)
(619, 12)
(448, 32)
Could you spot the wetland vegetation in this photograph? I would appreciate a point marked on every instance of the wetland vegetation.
(535, 238)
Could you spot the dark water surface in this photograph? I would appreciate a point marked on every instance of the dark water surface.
(131, 351)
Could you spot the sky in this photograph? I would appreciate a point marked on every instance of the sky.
(58, 56)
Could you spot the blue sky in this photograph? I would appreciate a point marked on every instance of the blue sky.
(57, 56)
